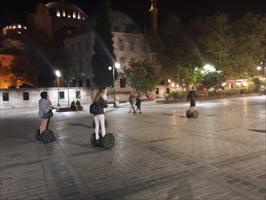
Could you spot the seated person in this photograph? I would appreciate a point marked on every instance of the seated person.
(73, 106)
(78, 105)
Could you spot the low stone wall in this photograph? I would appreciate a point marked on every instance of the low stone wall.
(29, 97)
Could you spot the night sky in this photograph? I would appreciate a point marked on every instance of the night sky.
(16, 11)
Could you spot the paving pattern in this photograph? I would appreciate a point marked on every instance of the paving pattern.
(158, 155)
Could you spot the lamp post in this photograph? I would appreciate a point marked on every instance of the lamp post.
(58, 75)
(117, 66)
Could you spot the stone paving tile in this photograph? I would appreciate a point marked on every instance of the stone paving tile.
(158, 155)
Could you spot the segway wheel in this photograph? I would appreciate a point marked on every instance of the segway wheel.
(108, 141)
(93, 141)
(195, 114)
(48, 136)
(188, 114)
(105, 123)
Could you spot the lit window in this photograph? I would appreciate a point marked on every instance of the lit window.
(58, 13)
(14, 27)
(19, 32)
(68, 15)
(121, 44)
(83, 18)
(74, 15)
(64, 13)
(25, 27)
(19, 26)
(79, 16)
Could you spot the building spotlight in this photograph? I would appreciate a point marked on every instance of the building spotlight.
(117, 65)
(57, 73)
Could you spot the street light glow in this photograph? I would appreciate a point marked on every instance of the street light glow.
(259, 68)
(208, 69)
(117, 65)
(110, 68)
(169, 81)
(57, 73)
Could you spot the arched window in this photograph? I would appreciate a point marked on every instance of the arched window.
(58, 14)
(121, 45)
(63, 13)
(74, 15)
(79, 17)
(132, 45)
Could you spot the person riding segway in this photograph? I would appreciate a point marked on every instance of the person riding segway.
(100, 138)
(191, 97)
(45, 113)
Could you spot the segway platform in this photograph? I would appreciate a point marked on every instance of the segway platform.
(46, 137)
(194, 114)
(107, 142)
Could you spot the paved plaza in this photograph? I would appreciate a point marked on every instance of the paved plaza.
(158, 155)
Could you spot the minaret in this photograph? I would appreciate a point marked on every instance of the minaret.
(154, 15)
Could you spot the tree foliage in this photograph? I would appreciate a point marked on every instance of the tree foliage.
(212, 79)
(178, 55)
(142, 76)
(65, 65)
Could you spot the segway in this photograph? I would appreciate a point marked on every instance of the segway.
(107, 142)
(47, 136)
(192, 114)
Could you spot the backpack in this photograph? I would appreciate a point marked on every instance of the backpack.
(93, 108)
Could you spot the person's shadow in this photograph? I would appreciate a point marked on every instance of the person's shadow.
(181, 192)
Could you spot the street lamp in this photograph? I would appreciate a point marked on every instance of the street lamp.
(58, 75)
(259, 68)
(117, 66)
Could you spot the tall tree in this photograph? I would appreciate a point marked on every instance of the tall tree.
(249, 38)
(142, 76)
(65, 65)
(103, 48)
(177, 52)
(213, 38)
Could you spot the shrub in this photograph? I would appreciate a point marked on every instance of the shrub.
(176, 95)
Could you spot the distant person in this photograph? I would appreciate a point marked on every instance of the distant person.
(44, 111)
(132, 100)
(78, 105)
(73, 105)
(138, 103)
(99, 118)
(191, 97)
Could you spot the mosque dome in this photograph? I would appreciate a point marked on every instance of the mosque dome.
(123, 23)
(63, 9)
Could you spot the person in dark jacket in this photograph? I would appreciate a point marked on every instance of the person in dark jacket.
(99, 117)
(192, 96)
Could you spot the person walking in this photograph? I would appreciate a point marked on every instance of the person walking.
(98, 112)
(138, 103)
(192, 96)
(44, 111)
(132, 100)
